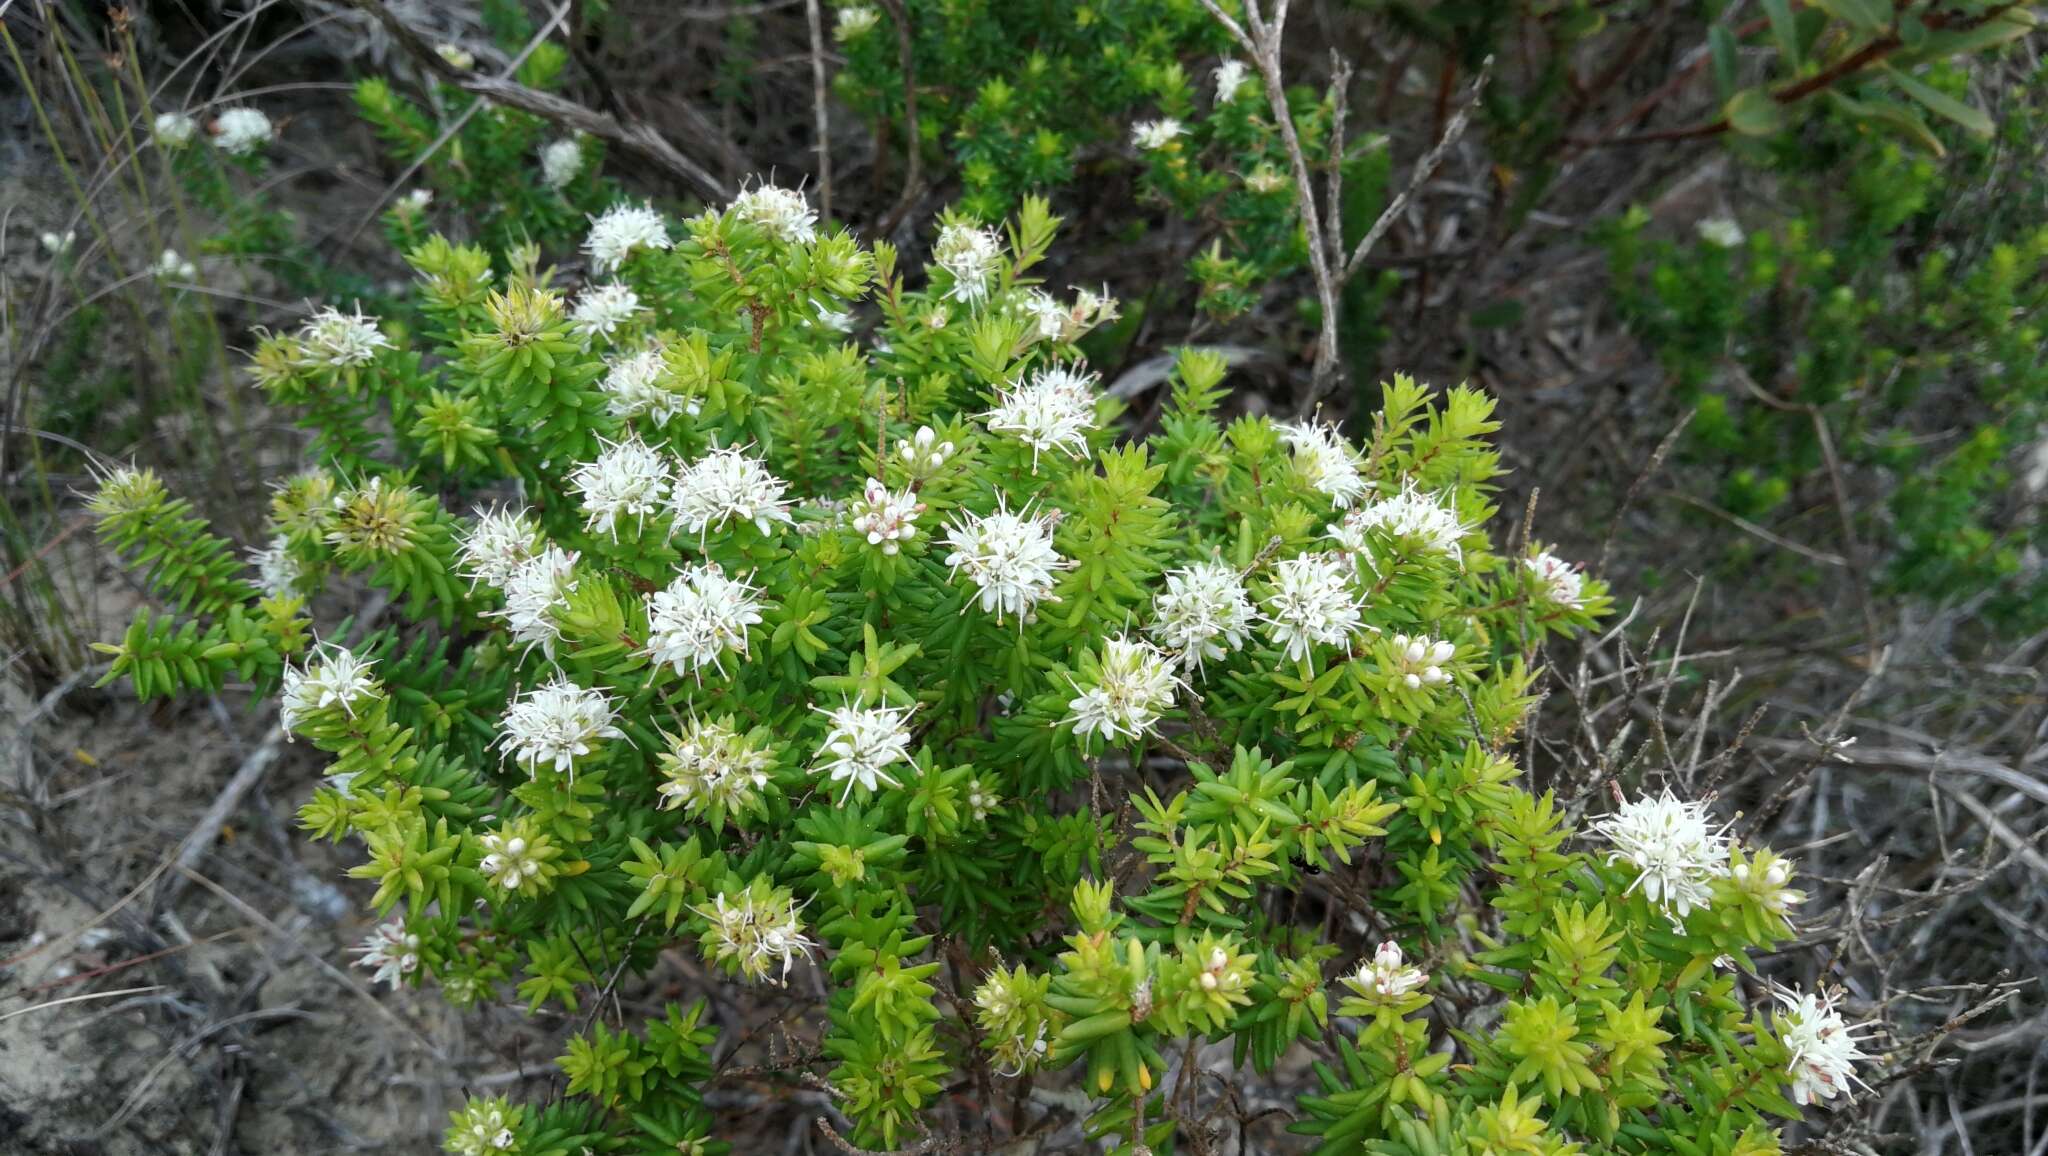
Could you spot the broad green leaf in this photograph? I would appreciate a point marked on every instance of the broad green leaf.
(1784, 30)
(1864, 15)
(1753, 112)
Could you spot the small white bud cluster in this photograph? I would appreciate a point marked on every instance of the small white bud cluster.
(923, 452)
(1421, 661)
(886, 519)
(560, 163)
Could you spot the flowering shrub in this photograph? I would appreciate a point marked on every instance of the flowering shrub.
(882, 667)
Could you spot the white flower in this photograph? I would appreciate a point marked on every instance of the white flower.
(172, 267)
(555, 724)
(277, 572)
(1054, 410)
(1409, 516)
(173, 130)
(339, 340)
(1230, 76)
(509, 860)
(1824, 1047)
(923, 452)
(862, 744)
(560, 162)
(885, 519)
(58, 244)
(241, 131)
(855, 22)
(724, 485)
(1422, 661)
(1203, 613)
(497, 546)
(754, 932)
(414, 203)
(634, 386)
(1561, 581)
(781, 213)
(698, 618)
(536, 589)
(1674, 850)
(1009, 557)
(332, 676)
(1387, 973)
(627, 479)
(712, 765)
(600, 309)
(390, 951)
(456, 55)
(1311, 602)
(1152, 135)
(480, 1130)
(971, 256)
(1133, 685)
(1721, 232)
(621, 231)
(1326, 460)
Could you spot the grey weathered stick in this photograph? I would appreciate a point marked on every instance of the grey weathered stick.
(201, 838)
(635, 136)
(823, 126)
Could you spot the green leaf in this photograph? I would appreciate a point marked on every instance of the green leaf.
(1784, 30)
(1752, 112)
(1973, 120)
(1722, 44)
(1892, 118)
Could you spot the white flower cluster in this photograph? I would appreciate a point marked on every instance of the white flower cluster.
(1326, 460)
(970, 255)
(171, 266)
(1824, 1047)
(1230, 77)
(173, 130)
(1409, 516)
(58, 244)
(555, 724)
(390, 951)
(727, 485)
(455, 55)
(620, 232)
(981, 800)
(1422, 661)
(712, 765)
(560, 162)
(1153, 135)
(754, 933)
(1562, 583)
(1053, 410)
(332, 676)
(1676, 851)
(277, 572)
(337, 340)
(1721, 232)
(481, 1130)
(701, 616)
(414, 203)
(781, 213)
(241, 131)
(1202, 614)
(862, 744)
(497, 546)
(1767, 877)
(1311, 603)
(509, 860)
(601, 309)
(535, 590)
(1052, 321)
(1133, 686)
(1387, 974)
(1009, 557)
(885, 518)
(855, 22)
(626, 480)
(633, 386)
